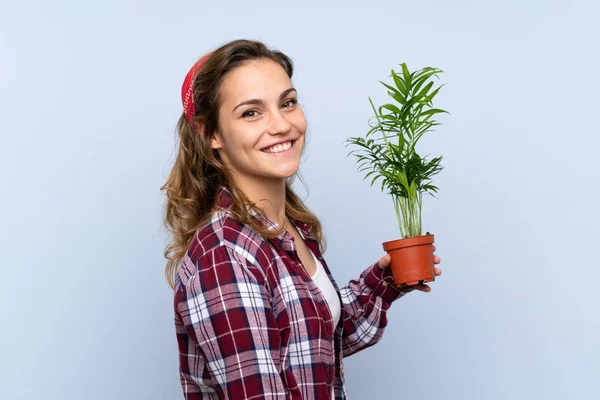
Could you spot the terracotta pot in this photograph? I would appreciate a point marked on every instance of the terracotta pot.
(412, 260)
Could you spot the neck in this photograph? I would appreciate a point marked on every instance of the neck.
(268, 195)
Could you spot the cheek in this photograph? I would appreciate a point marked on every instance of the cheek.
(240, 144)
(301, 120)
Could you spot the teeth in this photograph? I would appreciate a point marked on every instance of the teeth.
(278, 148)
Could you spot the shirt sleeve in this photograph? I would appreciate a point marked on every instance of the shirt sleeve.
(365, 302)
(226, 310)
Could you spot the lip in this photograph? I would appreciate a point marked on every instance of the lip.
(280, 142)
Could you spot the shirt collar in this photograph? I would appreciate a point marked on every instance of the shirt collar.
(224, 201)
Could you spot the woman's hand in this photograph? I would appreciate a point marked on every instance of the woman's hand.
(385, 261)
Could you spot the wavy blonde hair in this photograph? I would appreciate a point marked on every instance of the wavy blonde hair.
(198, 173)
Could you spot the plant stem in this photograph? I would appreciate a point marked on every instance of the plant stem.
(420, 213)
(408, 213)
(396, 201)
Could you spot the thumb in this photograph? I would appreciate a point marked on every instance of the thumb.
(385, 261)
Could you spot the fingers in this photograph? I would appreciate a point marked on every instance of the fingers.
(420, 287)
(436, 260)
(438, 272)
(423, 288)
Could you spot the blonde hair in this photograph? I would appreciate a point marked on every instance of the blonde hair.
(198, 173)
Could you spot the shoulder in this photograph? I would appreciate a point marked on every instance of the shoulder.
(222, 243)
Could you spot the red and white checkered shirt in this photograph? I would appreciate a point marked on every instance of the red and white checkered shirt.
(252, 324)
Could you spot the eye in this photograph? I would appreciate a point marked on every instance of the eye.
(249, 114)
(291, 103)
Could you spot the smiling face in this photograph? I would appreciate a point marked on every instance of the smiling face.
(261, 126)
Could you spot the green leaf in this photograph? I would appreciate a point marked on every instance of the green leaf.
(422, 76)
(391, 108)
(391, 88)
(375, 179)
(433, 94)
(433, 111)
(425, 90)
(399, 83)
(398, 98)
(407, 78)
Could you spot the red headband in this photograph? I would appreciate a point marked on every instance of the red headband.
(187, 90)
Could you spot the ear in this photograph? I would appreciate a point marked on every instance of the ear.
(216, 141)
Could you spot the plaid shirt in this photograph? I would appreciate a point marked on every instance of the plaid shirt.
(252, 324)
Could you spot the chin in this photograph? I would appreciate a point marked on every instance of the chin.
(283, 170)
(285, 175)
(289, 172)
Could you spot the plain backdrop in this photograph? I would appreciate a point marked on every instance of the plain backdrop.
(89, 98)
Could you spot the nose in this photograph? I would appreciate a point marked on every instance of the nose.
(278, 123)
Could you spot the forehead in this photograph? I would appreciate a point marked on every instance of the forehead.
(255, 79)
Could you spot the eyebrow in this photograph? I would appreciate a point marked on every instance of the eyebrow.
(259, 101)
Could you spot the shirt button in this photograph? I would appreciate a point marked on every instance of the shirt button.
(384, 283)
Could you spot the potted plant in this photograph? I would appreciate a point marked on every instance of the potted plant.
(388, 152)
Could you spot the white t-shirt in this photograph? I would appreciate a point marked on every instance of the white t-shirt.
(324, 284)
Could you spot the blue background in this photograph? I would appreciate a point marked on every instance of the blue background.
(90, 94)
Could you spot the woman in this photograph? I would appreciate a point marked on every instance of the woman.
(258, 314)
